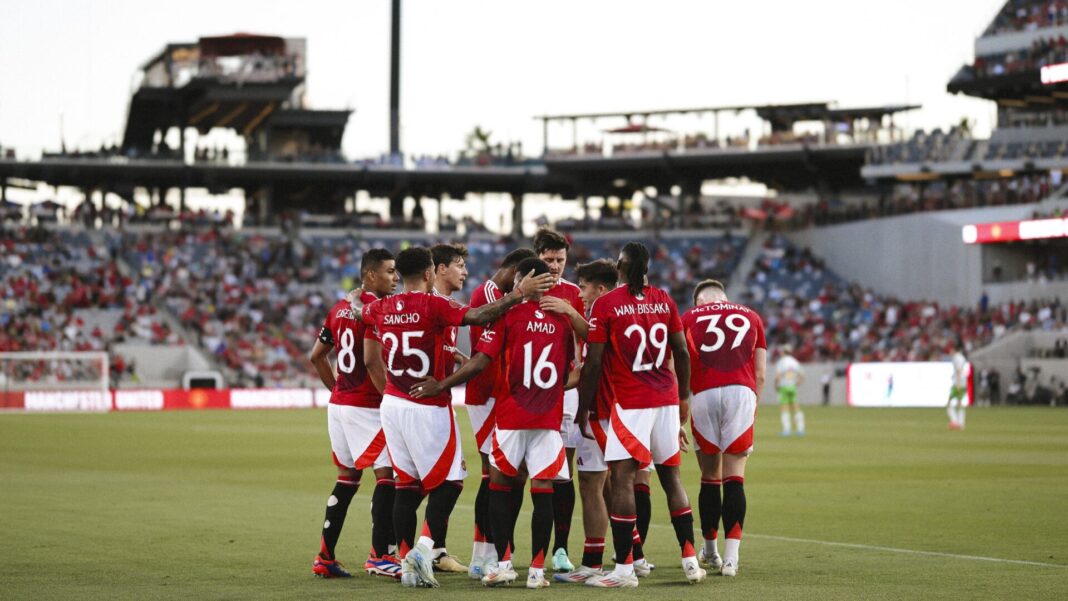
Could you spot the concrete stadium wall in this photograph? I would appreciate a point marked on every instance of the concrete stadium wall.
(919, 256)
(1013, 350)
(160, 366)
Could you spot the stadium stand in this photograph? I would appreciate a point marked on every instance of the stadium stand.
(1042, 52)
(922, 147)
(1028, 15)
(826, 318)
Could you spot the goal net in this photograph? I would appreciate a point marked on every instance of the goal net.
(54, 381)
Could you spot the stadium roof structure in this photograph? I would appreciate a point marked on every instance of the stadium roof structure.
(782, 117)
(245, 82)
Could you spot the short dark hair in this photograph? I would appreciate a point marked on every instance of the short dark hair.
(547, 239)
(532, 264)
(373, 258)
(516, 256)
(706, 284)
(601, 271)
(412, 262)
(445, 254)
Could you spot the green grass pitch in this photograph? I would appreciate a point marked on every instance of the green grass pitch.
(228, 505)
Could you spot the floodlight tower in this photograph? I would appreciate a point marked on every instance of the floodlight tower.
(394, 81)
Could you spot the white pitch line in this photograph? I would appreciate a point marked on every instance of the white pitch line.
(900, 550)
(828, 543)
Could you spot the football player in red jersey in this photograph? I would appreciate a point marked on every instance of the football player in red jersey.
(480, 402)
(552, 247)
(728, 356)
(354, 424)
(535, 349)
(595, 279)
(421, 433)
(450, 273)
(634, 331)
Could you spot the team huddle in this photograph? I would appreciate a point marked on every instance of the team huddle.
(598, 379)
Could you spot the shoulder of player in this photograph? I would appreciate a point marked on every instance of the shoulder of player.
(569, 286)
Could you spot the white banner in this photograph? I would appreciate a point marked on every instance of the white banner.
(901, 384)
(68, 400)
(280, 398)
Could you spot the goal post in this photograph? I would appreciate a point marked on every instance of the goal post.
(55, 380)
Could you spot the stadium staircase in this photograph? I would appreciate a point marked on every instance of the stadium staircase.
(154, 365)
(736, 286)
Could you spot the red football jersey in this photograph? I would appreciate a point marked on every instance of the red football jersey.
(345, 331)
(569, 292)
(603, 401)
(412, 327)
(723, 337)
(572, 294)
(452, 336)
(535, 348)
(635, 332)
(480, 387)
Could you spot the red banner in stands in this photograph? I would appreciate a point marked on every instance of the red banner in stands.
(1014, 231)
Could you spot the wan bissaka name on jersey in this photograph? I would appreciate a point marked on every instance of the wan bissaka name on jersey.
(643, 309)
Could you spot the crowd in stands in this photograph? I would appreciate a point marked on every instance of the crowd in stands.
(1028, 15)
(1044, 51)
(253, 302)
(51, 282)
(914, 198)
(690, 141)
(920, 148)
(825, 318)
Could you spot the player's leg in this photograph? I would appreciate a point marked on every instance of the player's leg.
(400, 417)
(710, 505)
(325, 564)
(439, 458)
(563, 501)
(627, 447)
(482, 550)
(439, 508)
(504, 481)
(739, 411)
(592, 478)
(960, 408)
(383, 538)
(367, 444)
(337, 507)
(541, 530)
(622, 516)
(799, 415)
(665, 451)
(545, 458)
(643, 509)
(733, 509)
(706, 414)
(784, 410)
(564, 490)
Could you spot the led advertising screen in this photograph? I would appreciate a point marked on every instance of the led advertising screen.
(919, 384)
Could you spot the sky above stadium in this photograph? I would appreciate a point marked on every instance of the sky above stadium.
(497, 64)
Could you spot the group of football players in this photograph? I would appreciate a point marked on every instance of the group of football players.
(601, 377)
